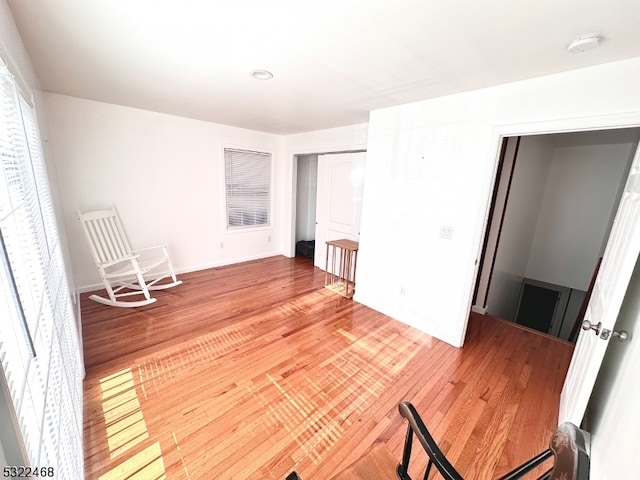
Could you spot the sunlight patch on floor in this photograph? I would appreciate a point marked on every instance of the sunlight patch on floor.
(311, 425)
(124, 423)
(204, 352)
(146, 465)
(179, 450)
(316, 410)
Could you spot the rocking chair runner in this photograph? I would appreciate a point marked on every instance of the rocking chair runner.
(125, 272)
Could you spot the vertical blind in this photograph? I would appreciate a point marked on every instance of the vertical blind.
(39, 348)
(248, 188)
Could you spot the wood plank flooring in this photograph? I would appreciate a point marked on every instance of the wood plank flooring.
(252, 370)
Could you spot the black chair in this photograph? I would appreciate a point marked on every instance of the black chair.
(567, 446)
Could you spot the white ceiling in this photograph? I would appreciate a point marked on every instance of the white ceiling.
(333, 60)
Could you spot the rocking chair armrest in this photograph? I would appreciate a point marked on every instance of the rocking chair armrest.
(128, 258)
(163, 246)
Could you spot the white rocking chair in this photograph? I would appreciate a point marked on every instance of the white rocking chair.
(125, 272)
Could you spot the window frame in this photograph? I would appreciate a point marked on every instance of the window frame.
(233, 229)
(41, 368)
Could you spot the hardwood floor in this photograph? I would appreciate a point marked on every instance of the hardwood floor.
(252, 370)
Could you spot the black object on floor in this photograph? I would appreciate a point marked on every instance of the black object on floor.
(305, 248)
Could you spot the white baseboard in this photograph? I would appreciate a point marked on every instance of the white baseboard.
(195, 268)
(90, 288)
(480, 310)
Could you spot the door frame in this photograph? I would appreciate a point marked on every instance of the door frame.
(543, 127)
(500, 204)
(294, 186)
(495, 221)
(325, 198)
(582, 124)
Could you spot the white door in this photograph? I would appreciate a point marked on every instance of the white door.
(339, 200)
(609, 288)
(614, 433)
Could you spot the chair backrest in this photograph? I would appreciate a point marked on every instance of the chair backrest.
(106, 237)
(436, 457)
(567, 446)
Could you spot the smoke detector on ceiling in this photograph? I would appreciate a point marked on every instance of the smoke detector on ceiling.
(585, 42)
(261, 74)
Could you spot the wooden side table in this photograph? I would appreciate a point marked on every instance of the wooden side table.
(341, 278)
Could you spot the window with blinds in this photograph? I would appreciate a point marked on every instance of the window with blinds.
(39, 349)
(248, 188)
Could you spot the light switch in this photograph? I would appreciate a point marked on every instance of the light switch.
(446, 232)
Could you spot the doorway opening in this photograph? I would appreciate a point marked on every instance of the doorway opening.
(306, 198)
(553, 206)
(328, 201)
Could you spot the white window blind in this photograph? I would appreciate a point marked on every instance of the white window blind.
(248, 188)
(39, 348)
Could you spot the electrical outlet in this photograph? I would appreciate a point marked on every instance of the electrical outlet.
(403, 291)
(446, 232)
(221, 244)
(269, 238)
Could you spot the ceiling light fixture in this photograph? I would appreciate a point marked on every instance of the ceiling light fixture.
(261, 74)
(584, 42)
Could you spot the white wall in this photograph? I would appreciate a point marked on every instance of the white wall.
(12, 48)
(580, 199)
(530, 176)
(164, 174)
(306, 193)
(431, 164)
